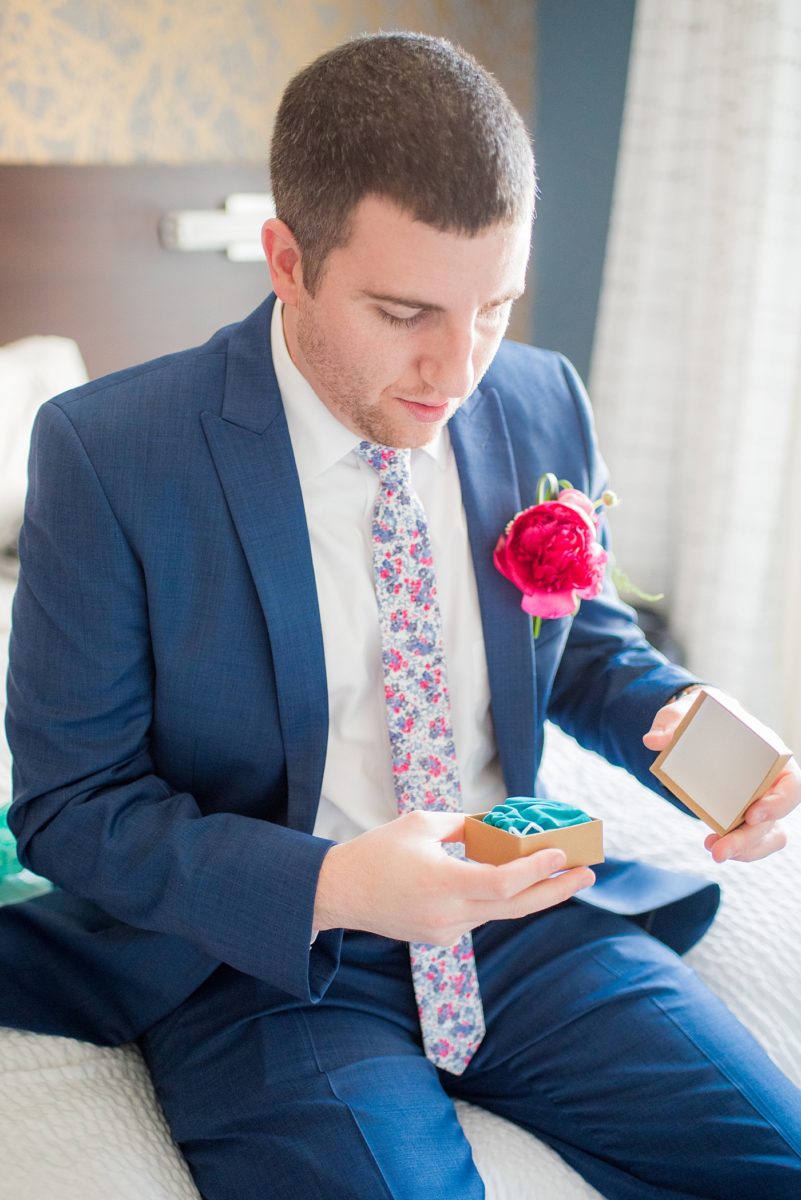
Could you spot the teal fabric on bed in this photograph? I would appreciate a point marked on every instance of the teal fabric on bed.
(9, 863)
(15, 883)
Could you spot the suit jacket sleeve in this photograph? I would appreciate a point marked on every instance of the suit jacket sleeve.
(91, 812)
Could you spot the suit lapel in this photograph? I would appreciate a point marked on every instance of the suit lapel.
(491, 497)
(250, 444)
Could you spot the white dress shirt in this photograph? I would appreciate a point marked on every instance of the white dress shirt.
(339, 492)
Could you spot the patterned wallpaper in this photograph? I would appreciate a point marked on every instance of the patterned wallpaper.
(182, 81)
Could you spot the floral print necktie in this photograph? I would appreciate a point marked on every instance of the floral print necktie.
(424, 767)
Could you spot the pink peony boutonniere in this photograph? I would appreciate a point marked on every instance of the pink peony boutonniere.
(551, 550)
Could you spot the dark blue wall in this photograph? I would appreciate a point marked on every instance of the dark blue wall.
(581, 63)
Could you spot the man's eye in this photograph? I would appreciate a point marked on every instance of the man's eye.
(498, 314)
(400, 322)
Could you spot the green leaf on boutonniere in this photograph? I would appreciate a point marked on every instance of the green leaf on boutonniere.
(625, 585)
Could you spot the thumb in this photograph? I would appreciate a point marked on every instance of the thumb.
(669, 717)
(445, 826)
(664, 726)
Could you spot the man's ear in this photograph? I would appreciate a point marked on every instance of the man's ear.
(283, 258)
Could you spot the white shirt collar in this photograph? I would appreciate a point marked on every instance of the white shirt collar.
(318, 439)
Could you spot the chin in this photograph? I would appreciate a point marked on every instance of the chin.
(398, 428)
(399, 436)
(412, 438)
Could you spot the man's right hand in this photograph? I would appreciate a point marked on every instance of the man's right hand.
(398, 881)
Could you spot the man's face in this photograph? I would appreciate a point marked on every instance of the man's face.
(405, 321)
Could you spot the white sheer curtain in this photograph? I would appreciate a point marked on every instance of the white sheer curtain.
(696, 371)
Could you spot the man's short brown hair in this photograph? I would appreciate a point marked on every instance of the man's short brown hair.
(404, 116)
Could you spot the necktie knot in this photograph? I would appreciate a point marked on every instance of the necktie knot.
(393, 465)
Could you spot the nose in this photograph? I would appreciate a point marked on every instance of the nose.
(446, 364)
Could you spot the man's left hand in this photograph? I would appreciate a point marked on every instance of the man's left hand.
(760, 834)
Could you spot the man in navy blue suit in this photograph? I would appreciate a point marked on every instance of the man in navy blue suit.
(197, 709)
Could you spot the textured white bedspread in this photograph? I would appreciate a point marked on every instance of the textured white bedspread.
(81, 1123)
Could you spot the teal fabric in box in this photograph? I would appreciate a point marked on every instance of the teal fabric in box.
(529, 814)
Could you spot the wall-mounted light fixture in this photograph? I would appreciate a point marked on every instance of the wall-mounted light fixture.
(235, 228)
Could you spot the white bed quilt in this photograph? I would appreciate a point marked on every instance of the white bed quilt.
(80, 1122)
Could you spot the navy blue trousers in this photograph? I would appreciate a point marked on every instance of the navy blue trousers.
(599, 1040)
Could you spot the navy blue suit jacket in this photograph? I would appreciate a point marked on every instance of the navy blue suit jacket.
(167, 706)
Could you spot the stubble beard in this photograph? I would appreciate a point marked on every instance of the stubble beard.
(344, 393)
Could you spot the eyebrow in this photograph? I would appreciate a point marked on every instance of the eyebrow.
(426, 306)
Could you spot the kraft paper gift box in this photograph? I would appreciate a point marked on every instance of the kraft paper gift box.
(583, 844)
(719, 761)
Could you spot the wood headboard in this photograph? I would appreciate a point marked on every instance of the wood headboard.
(80, 256)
